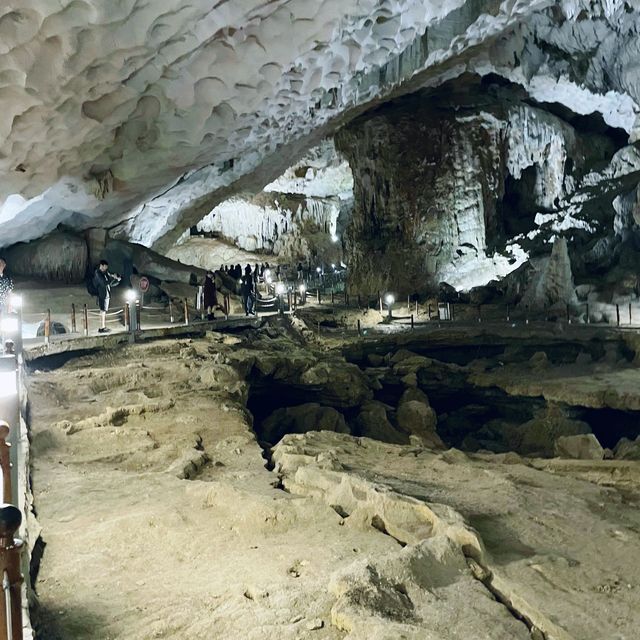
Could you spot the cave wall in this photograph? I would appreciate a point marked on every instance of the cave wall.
(450, 186)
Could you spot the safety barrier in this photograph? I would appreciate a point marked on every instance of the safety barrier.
(10, 549)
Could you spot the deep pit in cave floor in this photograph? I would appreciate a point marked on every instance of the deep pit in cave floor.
(164, 516)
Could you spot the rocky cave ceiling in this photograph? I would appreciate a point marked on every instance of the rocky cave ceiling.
(146, 115)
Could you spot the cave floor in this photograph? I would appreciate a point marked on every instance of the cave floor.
(161, 521)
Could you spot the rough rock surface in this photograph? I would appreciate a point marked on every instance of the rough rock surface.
(145, 458)
(462, 520)
(157, 113)
(61, 257)
(452, 184)
(582, 447)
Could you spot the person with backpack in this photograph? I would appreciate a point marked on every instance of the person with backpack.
(101, 284)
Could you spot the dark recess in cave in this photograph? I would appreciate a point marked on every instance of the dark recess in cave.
(519, 207)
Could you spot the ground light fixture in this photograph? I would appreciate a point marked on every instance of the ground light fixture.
(302, 288)
(389, 299)
(280, 288)
(131, 295)
(318, 269)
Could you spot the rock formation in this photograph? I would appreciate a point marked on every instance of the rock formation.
(154, 124)
(451, 185)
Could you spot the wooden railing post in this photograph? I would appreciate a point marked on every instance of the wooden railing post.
(85, 318)
(73, 318)
(47, 326)
(186, 311)
(5, 463)
(10, 549)
(170, 311)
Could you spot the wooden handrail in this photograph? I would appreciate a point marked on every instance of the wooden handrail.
(10, 549)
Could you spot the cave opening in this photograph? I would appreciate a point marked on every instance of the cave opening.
(519, 206)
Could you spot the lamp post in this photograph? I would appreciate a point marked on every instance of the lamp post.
(132, 300)
(389, 300)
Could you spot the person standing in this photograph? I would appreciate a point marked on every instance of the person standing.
(246, 291)
(6, 285)
(102, 282)
(210, 295)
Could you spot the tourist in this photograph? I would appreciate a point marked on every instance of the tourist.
(6, 285)
(102, 282)
(300, 272)
(210, 295)
(247, 292)
(255, 276)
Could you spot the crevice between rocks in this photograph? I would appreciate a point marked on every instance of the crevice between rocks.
(484, 575)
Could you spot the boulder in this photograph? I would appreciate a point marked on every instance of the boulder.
(416, 395)
(580, 447)
(538, 436)
(340, 384)
(56, 328)
(627, 449)
(418, 419)
(372, 422)
(300, 419)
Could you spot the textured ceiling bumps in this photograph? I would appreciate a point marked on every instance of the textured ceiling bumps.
(107, 105)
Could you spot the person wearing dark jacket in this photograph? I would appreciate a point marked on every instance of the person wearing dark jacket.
(210, 295)
(103, 281)
(247, 292)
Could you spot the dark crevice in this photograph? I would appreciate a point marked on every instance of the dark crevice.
(378, 523)
(484, 575)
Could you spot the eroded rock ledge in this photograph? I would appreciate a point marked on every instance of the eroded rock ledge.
(156, 474)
